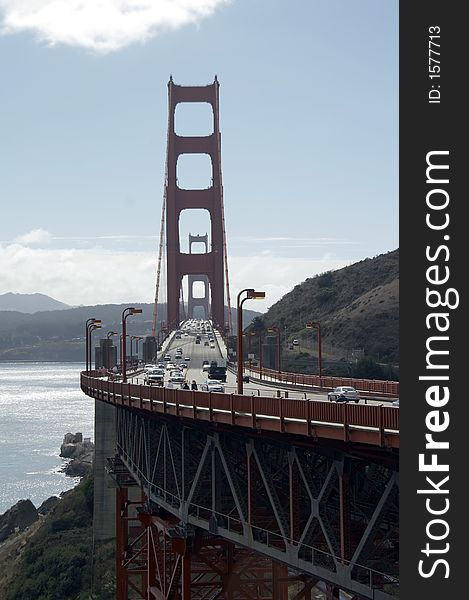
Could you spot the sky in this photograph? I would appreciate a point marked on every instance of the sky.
(309, 123)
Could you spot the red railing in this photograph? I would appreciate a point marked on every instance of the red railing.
(376, 386)
(370, 424)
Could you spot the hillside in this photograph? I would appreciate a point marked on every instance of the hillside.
(53, 558)
(58, 335)
(357, 307)
(29, 303)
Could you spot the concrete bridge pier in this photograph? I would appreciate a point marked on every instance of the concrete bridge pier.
(104, 502)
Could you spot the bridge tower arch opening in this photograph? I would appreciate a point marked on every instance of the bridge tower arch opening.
(208, 266)
(195, 299)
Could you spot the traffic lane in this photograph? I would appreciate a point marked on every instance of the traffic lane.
(199, 352)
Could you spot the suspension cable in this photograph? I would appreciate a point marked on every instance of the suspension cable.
(160, 250)
(225, 250)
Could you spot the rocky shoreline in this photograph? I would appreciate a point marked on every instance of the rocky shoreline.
(80, 454)
(80, 451)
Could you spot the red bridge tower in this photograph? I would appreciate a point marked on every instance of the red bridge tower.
(211, 263)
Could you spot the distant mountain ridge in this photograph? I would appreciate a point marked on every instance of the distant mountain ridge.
(30, 303)
(58, 335)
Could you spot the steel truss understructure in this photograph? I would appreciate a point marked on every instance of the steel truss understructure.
(327, 513)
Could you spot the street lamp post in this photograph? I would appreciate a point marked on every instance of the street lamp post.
(93, 326)
(88, 324)
(315, 325)
(275, 329)
(259, 335)
(126, 313)
(109, 334)
(120, 348)
(251, 294)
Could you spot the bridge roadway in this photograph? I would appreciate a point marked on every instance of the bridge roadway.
(199, 352)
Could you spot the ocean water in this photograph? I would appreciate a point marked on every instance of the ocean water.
(39, 403)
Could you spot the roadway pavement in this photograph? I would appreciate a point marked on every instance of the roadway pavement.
(200, 352)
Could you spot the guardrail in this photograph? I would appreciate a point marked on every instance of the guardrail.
(369, 424)
(376, 386)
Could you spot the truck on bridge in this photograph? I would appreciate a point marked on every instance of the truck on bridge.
(217, 371)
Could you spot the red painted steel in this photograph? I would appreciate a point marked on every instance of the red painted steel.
(177, 566)
(211, 263)
(202, 301)
(369, 424)
(388, 388)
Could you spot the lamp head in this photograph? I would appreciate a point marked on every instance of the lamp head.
(254, 295)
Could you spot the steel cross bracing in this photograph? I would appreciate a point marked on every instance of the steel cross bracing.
(326, 513)
(165, 560)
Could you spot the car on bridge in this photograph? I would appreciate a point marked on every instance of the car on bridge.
(176, 376)
(212, 385)
(344, 393)
(154, 376)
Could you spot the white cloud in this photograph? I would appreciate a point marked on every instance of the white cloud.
(34, 237)
(99, 276)
(101, 25)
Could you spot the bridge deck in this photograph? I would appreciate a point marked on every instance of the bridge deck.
(367, 424)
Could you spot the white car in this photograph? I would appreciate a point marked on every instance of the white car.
(395, 403)
(176, 376)
(344, 393)
(155, 376)
(167, 357)
(212, 385)
(147, 368)
(187, 359)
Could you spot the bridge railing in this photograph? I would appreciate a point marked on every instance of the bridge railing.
(375, 424)
(378, 386)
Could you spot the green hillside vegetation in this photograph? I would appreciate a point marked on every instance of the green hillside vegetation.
(358, 309)
(56, 562)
